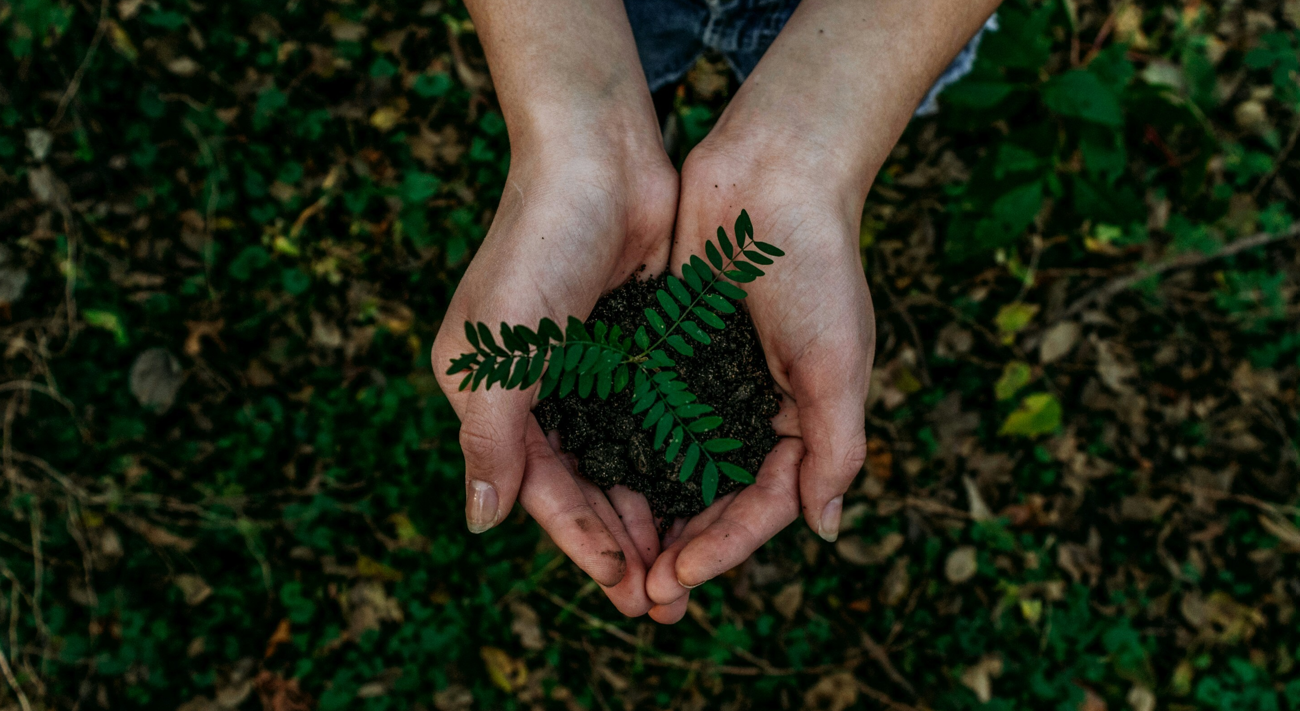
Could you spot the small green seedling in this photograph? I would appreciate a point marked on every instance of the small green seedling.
(604, 360)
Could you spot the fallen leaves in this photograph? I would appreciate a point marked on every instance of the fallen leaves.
(961, 565)
(505, 671)
(1039, 414)
(155, 378)
(855, 549)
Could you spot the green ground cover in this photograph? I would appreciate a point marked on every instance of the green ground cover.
(227, 235)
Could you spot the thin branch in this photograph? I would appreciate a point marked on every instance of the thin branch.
(1118, 285)
(75, 84)
(13, 682)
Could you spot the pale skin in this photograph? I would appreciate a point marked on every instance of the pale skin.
(591, 196)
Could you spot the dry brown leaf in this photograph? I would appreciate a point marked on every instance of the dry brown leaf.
(898, 582)
(835, 692)
(201, 329)
(278, 694)
(527, 625)
(1058, 341)
(962, 564)
(195, 588)
(155, 378)
(283, 634)
(857, 551)
(789, 600)
(979, 676)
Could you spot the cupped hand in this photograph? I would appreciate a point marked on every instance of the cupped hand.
(571, 225)
(813, 314)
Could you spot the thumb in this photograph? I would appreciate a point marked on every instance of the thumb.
(833, 424)
(492, 432)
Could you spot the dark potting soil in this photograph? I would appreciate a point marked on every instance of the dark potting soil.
(729, 374)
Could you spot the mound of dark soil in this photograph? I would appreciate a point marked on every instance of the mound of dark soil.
(730, 374)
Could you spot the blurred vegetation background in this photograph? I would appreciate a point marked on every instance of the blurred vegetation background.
(227, 235)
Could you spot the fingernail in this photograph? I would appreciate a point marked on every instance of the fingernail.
(691, 587)
(481, 509)
(829, 528)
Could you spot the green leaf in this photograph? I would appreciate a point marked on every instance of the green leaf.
(735, 472)
(549, 382)
(1013, 318)
(719, 304)
(567, 381)
(1015, 376)
(670, 306)
(509, 340)
(722, 444)
(620, 378)
(535, 368)
(604, 383)
(977, 94)
(688, 462)
(692, 278)
(572, 356)
(769, 248)
(518, 374)
(712, 253)
(481, 374)
(653, 416)
(730, 291)
(710, 483)
(659, 359)
(701, 269)
(576, 330)
(758, 256)
(585, 382)
(589, 360)
(674, 444)
(704, 424)
(748, 268)
(550, 329)
(1039, 414)
(694, 331)
(680, 345)
(465, 383)
(744, 228)
(489, 343)
(737, 275)
(642, 340)
(708, 317)
(726, 244)
(1081, 94)
(656, 322)
(471, 335)
(662, 428)
(464, 361)
(641, 403)
(692, 409)
(525, 334)
(679, 290)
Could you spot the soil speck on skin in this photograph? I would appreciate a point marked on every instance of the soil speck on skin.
(730, 374)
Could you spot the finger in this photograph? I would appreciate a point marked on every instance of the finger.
(493, 430)
(638, 521)
(552, 496)
(833, 422)
(674, 532)
(673, 612)
(759, 512)
(629, 594)
(786, 420)
(662, 585)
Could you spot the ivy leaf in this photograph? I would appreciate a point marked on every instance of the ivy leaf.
(688, 462)
(722, 444)
(734, 472)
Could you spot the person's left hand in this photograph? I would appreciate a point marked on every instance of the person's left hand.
(814, 318)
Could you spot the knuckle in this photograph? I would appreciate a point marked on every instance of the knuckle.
(480, 438)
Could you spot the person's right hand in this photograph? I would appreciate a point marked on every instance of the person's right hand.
(576, 220)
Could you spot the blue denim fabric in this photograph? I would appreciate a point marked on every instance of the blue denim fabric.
(671, 35)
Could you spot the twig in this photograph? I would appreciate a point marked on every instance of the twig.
(883, 698)
(1183, 261)
(1277, 163)
(13, 682)
(878, 653)
(75, 84)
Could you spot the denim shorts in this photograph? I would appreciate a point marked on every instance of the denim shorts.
(671, 35)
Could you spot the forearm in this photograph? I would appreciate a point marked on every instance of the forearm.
(566, 71)
(842, 79)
